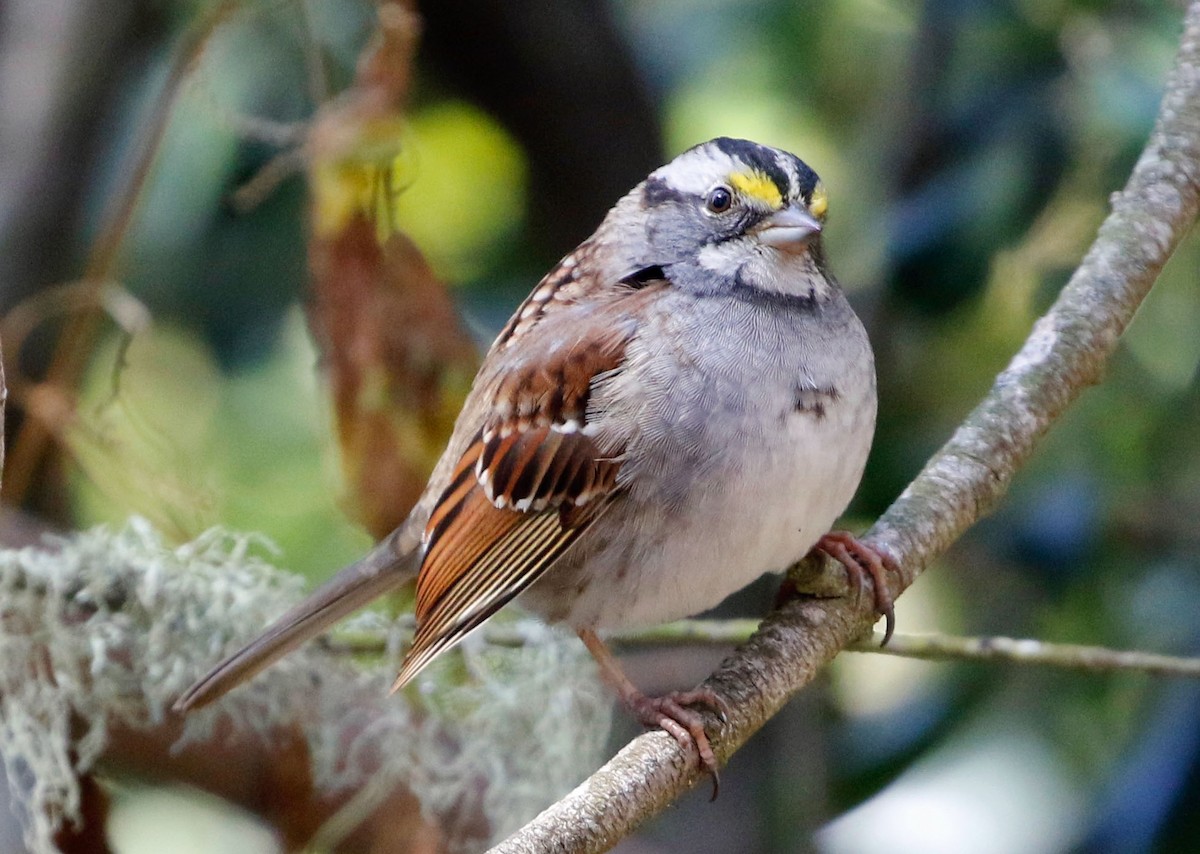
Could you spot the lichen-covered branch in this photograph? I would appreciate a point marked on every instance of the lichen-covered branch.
(101, 631)
(1065, 353)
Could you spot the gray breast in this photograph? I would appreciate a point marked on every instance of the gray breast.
(711, 374)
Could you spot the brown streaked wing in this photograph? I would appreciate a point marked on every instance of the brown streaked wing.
(518, 557)
(529, 484)
(479, 556)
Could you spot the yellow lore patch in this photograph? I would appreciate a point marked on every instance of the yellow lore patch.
(757, 186)
(820, 201)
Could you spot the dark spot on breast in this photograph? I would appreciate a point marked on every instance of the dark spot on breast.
(814, 400)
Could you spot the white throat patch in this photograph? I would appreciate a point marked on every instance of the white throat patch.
(764, 267)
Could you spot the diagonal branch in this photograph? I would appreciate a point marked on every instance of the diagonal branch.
(1065, 353)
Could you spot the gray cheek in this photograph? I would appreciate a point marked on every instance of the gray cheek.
(671, 235)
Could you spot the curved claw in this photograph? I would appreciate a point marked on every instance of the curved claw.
(669, 712)
(686, 726)
(860, 560)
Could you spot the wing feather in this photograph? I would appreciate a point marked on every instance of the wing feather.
(485, 586)
(533, 478)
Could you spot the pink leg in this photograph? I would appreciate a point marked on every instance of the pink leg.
(669, 712)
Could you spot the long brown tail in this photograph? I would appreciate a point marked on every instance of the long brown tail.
(390, 564)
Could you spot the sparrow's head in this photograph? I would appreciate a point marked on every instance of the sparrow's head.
(731, 213)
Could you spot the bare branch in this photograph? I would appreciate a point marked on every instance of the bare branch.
(1065, 354)
(925, 647)
(935, 647)
(930, 647)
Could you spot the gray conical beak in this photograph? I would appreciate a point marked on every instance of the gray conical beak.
(789, 229)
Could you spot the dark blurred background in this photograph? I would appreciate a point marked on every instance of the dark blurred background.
(969, 148)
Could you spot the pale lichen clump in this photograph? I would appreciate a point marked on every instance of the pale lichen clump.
(109, 627)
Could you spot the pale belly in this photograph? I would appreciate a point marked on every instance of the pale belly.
(759, 513)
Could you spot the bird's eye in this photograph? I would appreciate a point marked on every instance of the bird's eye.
(720, 199)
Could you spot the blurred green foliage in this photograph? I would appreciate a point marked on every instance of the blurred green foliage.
(473, 197)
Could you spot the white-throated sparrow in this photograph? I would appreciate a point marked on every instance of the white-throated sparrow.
(684, 403)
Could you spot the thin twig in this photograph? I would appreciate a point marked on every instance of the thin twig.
(268, 179)
(1064, 355)
(925, 647)
(317, 70)
(935, 647)
(108, 299)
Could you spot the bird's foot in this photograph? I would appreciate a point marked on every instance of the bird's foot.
(861, 560)
(668, 712)
(671, 713)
